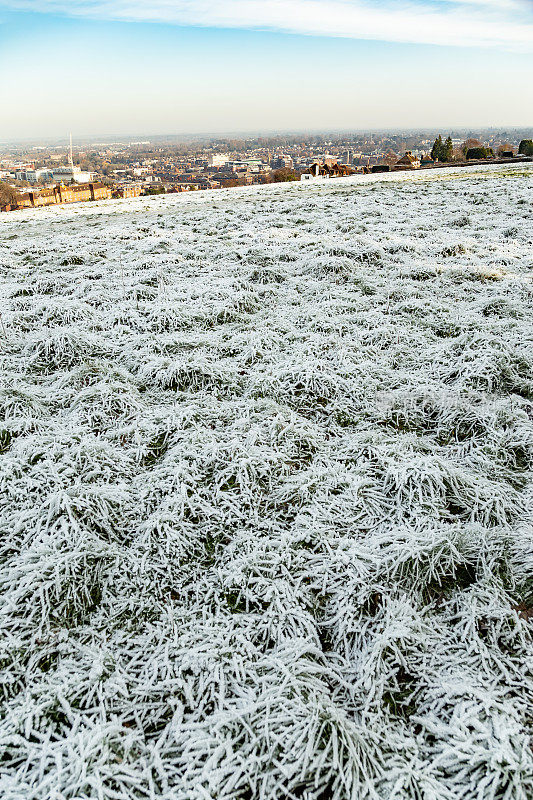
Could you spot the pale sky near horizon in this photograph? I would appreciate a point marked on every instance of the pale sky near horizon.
(185, 66)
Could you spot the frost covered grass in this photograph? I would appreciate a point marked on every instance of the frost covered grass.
(266, 496)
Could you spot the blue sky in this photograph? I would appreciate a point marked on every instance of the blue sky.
(182, 66)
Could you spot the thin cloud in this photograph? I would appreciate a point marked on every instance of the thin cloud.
(506, 24)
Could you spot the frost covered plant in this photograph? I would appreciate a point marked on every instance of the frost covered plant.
(266, 495)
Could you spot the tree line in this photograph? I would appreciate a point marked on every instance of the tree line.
(444, 151)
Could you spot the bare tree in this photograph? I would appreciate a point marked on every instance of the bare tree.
(458, 154)
(469, 145)
(283, 175)
(506, 147)
(8, 195)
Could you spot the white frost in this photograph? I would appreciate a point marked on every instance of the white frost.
(266, 496)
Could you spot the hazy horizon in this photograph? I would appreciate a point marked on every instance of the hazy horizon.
(132, 137)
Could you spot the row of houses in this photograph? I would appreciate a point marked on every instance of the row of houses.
(75, 193)
(330, 169)
(408, 161)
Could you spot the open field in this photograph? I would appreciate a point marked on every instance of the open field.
(266, 493)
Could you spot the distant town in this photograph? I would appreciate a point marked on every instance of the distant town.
(38, 174)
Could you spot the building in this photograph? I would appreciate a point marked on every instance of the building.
(246, 165)
(185, 187)
(246, 177)
(282, 162)
(71, 174)
(333, 170)
(315, 171)
(64, 194)
(408, 161)
(79, 192)
(99, 191)
(46, 197)
(133, 190)
(309, 176)
(217, 160)
(33, 175)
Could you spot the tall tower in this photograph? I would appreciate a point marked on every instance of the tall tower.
(70, 159)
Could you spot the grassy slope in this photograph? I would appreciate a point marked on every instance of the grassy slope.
(266, 493)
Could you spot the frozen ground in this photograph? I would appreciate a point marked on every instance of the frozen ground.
(266, 497)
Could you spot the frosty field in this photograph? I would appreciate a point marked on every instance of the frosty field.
(266, 504)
